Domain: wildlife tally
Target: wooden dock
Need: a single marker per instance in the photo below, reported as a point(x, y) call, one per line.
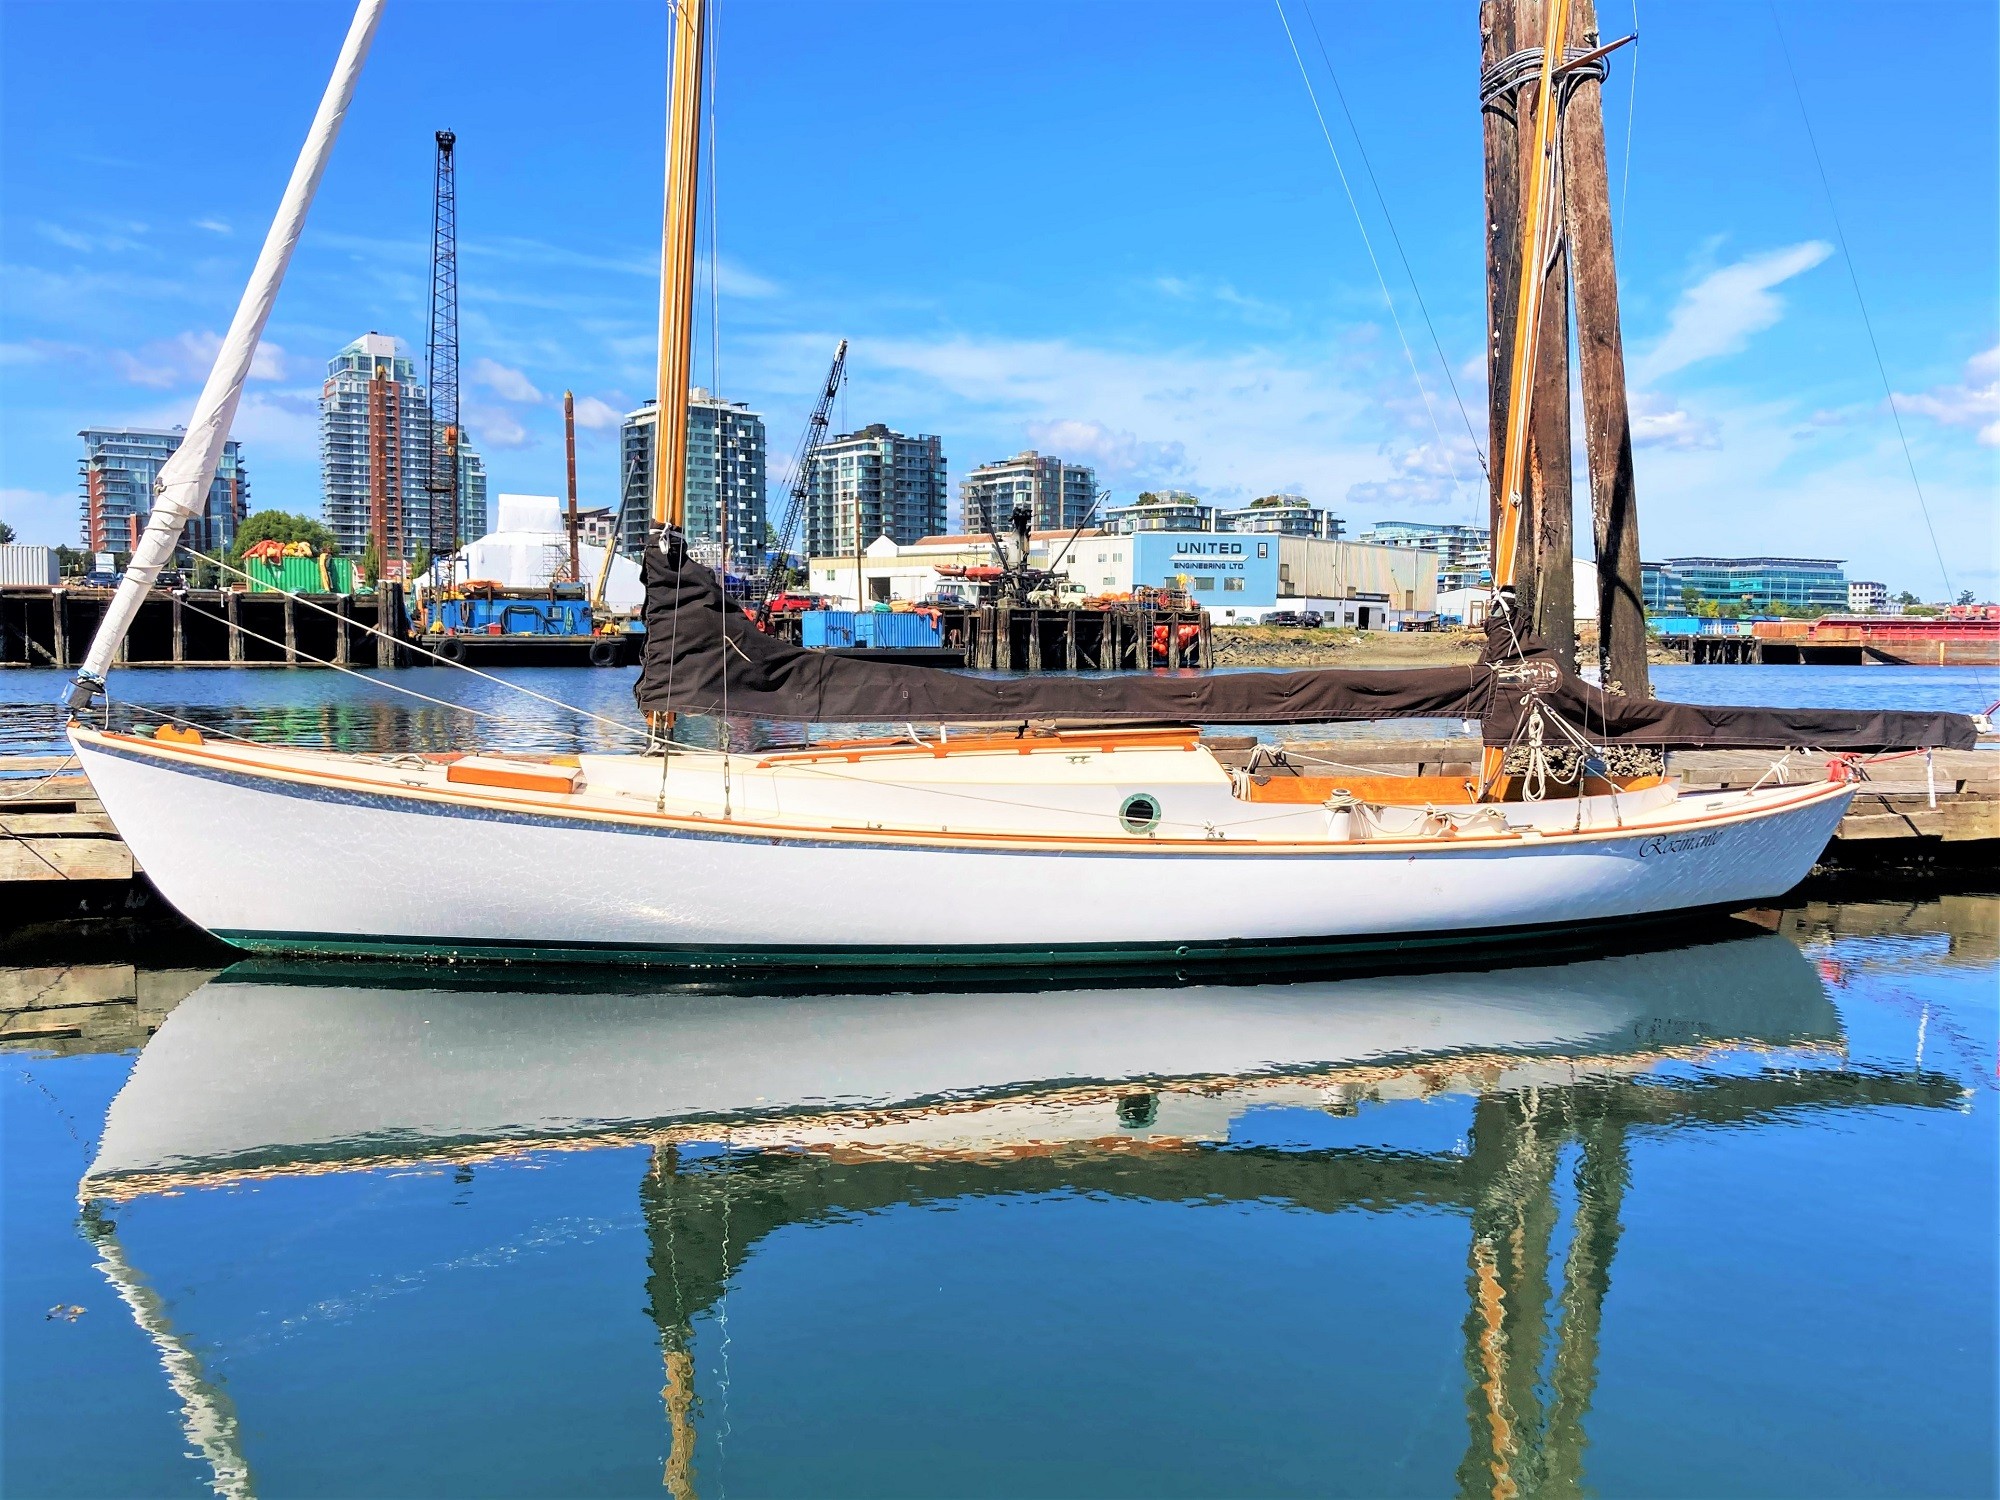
point(52, 627)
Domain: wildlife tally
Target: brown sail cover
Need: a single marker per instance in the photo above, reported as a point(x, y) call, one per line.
point(703, 657)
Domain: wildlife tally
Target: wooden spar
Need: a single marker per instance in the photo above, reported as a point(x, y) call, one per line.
point(1546, 583)
point(1600, 347)
point(569, 450)
point(1536, 238)
point(1498, 40)
point(677, 266)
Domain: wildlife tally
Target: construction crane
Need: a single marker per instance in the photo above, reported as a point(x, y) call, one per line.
point(802, 461)
point(442, 361)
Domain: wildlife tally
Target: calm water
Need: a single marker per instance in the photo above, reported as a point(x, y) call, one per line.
point(350, 713)
point(1714, 1220)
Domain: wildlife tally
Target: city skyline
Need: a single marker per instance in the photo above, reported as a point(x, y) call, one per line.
point(1234, 345)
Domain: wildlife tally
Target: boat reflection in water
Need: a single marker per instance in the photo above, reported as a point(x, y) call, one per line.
point(827, 1107)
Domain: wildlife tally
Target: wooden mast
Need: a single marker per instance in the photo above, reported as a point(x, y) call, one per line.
point(1600, 347)
point(1537, 236)
point(677, 266)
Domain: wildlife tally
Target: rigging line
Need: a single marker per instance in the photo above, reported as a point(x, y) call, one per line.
point(1444, 363)
point(1369, 245)
point(1854, 279)
point(480, 713)
point(1631, 108)
point(715, 374)
point(441, 661)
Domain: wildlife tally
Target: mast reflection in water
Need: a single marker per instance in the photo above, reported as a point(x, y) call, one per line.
point(977, 1242)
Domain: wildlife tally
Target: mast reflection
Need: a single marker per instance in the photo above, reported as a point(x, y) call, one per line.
point(831, 1106)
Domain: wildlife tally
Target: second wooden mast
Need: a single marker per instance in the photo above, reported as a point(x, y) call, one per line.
point(1548, 221)
point(689, 23)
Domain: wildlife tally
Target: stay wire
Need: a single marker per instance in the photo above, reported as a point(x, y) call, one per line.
point(1368, 244)
point(381, 634)
point(1631, 109)
point(1390, 219)
point(1861, 302)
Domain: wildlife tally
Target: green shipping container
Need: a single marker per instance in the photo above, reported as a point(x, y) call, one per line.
point(301, 575)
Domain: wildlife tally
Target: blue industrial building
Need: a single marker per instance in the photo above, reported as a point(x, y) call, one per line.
point(1218, 570)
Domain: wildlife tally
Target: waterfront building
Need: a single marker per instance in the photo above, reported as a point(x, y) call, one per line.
point(1057, 495)
point(1465, 553)
point(874, 483)
point(1238, 578)
point(1162, 510)
point(726, 462)
point(375, 446)
point(117, 473)
point(1865, 598)
point(1748, 584)
point(1284, 515)
point(598, 525)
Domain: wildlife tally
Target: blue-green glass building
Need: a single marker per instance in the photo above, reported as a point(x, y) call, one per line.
point(1748, 583)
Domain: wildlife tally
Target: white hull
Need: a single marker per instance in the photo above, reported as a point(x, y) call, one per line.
point(299, 852)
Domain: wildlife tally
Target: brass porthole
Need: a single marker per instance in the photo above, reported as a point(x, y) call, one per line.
point(1139, 813)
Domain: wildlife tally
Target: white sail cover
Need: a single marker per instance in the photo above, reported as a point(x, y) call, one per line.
point(184, 480)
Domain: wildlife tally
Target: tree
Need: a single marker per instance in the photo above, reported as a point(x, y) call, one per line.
point(280, 526)
point(7, 535)
point(1964, 597)
point(1907, 598)
point(1691, 600)
point(72, 562)
point(421, 564)
point(371, 563)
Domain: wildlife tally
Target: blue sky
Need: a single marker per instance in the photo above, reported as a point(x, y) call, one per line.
point(1109, 230)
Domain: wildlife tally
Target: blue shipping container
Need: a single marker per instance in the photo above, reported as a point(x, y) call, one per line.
point(878, 629)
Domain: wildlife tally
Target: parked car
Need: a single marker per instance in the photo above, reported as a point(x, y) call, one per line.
point(170, 578)
point(792, 603)
point(1284, 617)
point(97, 580)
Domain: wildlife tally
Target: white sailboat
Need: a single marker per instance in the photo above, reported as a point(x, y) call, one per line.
point(1085, 844)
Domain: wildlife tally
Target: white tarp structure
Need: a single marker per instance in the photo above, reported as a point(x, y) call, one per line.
point(531, 546)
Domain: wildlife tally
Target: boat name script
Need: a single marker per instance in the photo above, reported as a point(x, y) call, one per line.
point(1683, 843)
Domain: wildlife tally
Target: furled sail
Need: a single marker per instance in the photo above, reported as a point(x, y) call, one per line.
point(705, 657)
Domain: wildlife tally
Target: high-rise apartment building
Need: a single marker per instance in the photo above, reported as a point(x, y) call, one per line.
point(375, 457)
point(1285, 515)
point(874, 483)
point(1058, 495)
point(375, 450)
point(118, 469)
point(725, 476)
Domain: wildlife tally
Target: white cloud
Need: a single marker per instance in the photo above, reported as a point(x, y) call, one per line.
point(1718, 314)
point(213, 226)
point(1249, 421)
point(281, 424)
point(1117, 456)
point(186, 358)
point(1658, 422)
point(506, 383)
point(1973, 402)
point(494, 427)
point(596, 416)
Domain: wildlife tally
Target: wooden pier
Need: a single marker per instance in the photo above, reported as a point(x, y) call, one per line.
point(52, 627)
point(1004, 638)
